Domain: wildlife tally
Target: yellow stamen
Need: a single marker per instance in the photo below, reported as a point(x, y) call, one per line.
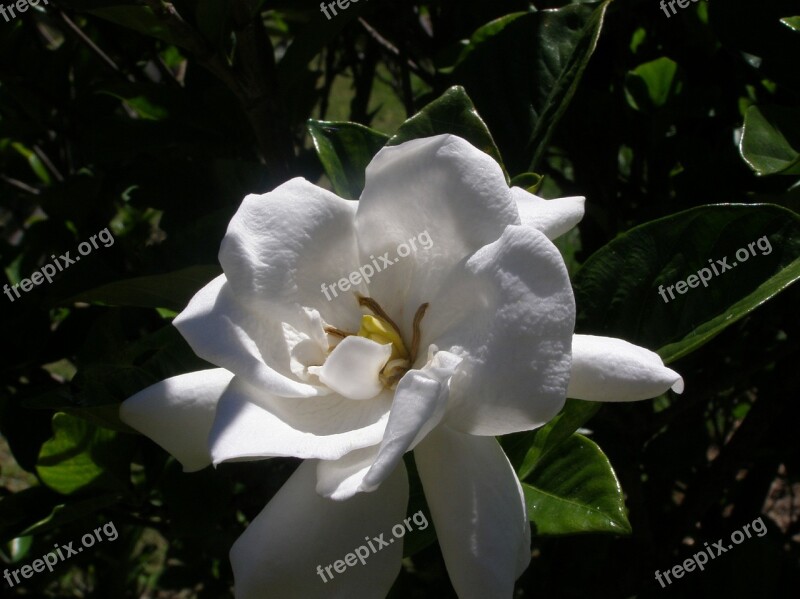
point(380, 331)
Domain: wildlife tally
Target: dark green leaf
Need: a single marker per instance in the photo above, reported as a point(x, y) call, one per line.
point(575, 414)
point(653, 84)
point(771, 140)
point(617, 289)
point(453, 112)
point(530, 182)
point(792, 22)
point(522, 99)
point(575, 490)
point(345, 150)
point(81, 455)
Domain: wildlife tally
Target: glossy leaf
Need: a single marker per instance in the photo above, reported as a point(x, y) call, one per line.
point(81, 455)
point(551, 436)
point(653, 84)
point(792, 22)
point(345, 150)
point(453, 112)
point(523, 99)
point(574, 490)
point(617, 288)
point(530, 182)
point(771, 140)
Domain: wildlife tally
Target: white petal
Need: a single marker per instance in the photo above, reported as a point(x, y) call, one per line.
point(252, 423)
point(177, 413)
point(444, 194)
point(353, 367)
point(478, 509)
point(298, 531)
point(241, 338)
point(610, 369)
point(551, 217)
point(282, 246)
point(418, 406)
point(511, 314)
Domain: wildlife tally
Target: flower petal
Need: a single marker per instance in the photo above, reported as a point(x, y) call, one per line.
point(282, 246)
point(610, 369)
point(510, 312)
point(418, 406)
point(245, 340)
point(177, 413)
point(300, 534)
point(442, 186)
point(551, 217)
point(252, 423)
point(478, 509)
point(353, 367)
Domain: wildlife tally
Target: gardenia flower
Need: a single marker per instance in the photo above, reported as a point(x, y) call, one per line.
point(438, 353)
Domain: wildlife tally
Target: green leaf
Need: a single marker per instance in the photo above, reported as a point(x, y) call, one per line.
point(33, 160)
point(345, 150)
point(18, 549)
point(81, 455)
point(792, 22)
point(771, 140)
point(551, 436)
point(530, 182)
point(575, 490)
point(617, 288)
point(653, 84)
point(171, 290)
point(453, 112)
point(522, 72)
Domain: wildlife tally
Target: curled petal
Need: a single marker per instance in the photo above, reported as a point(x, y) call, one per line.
point(418, 406)
point(610, 369)
point(353, 367)
point(419, 403)
point(177, 413)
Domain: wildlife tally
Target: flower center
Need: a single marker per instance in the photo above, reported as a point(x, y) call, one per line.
point(379, 327)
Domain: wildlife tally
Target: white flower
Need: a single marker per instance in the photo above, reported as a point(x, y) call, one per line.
point(449, 347)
